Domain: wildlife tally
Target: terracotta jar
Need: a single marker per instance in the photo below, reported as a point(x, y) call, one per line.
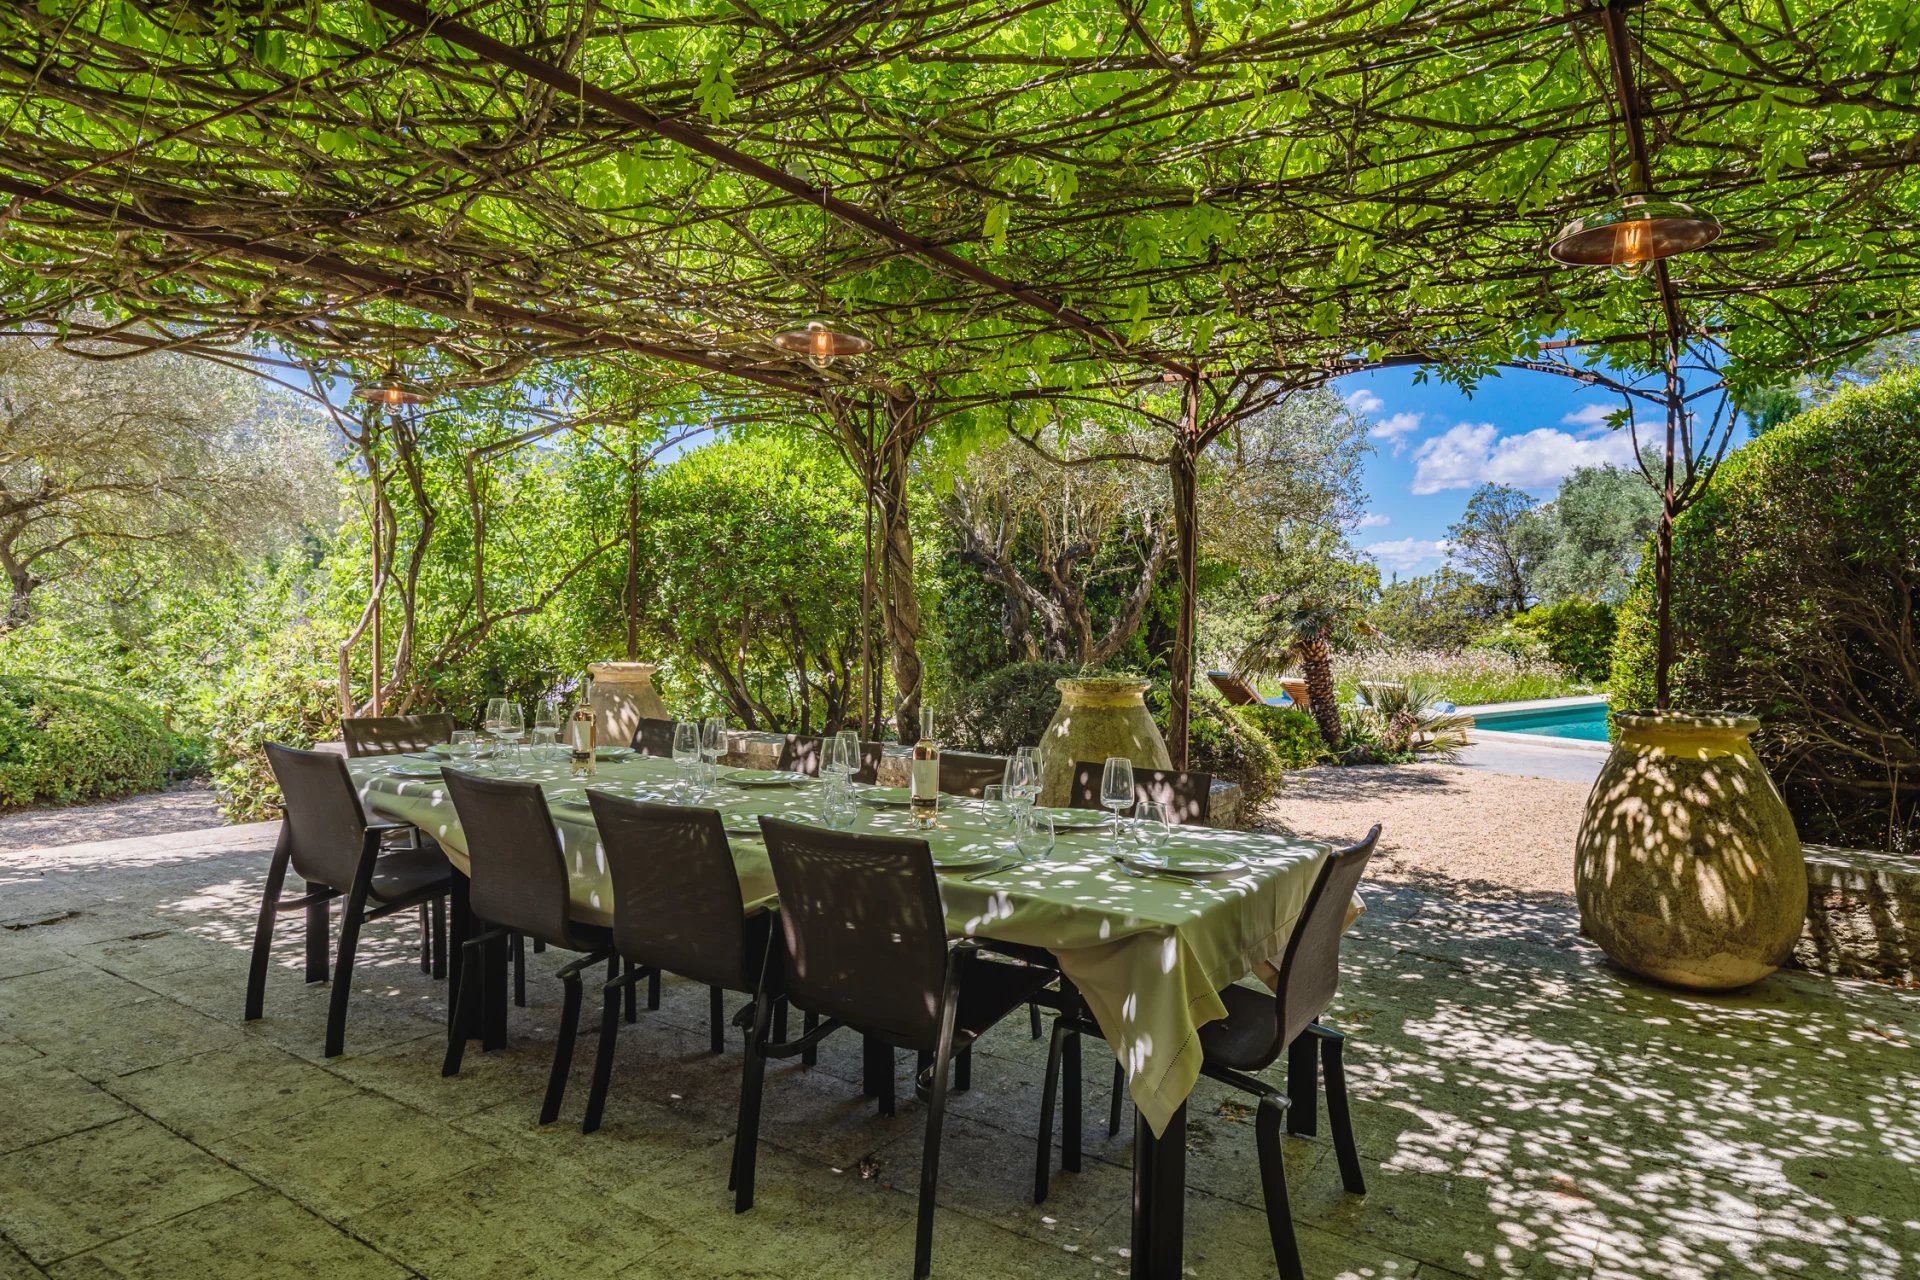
point(1098, 717)
point(623, 694)
point(1688, 868)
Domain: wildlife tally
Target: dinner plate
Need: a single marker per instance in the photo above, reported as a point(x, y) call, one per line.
point(1184, 862)
point(444, 752)
point(887, 797)
point(1077, 819)
point(961, 857)
point(763, 778)
point(415, 771)
point(613, 753)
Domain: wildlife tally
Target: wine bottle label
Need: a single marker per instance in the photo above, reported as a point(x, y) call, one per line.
point(926, 777)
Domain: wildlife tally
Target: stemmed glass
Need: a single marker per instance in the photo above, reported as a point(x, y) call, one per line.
point(1116, 790)
point(1022, 778)
point(513, 725)
point(496, 708)
point(686, 751)
point(546, 724)
point(835, 765)
point(713, 743)
point(848, 744)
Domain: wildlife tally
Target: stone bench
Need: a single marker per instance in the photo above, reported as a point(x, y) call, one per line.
point(762, 751)
point(1863, 915)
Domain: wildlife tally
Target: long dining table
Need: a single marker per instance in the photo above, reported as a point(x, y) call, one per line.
point(1149, 953)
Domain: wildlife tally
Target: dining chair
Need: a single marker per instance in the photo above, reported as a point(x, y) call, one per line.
point(518, 875)
point(802, 755)
point(676, 909)
point(964, 773)
point(1261, 1024)
point(1187, 795)
point(654, 737)
point(391, 735)
point(866, 948)
point(328, 841)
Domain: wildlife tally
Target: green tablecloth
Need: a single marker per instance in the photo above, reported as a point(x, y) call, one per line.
point(1149, 955)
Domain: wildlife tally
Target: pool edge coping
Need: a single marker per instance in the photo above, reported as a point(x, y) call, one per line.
point(1494, 737)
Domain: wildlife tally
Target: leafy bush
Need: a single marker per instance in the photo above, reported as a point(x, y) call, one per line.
point(1577, 634)
point(1470, 676)
point(284, 691)
point(1005, 709)
point(1292, 733)
point(62, 742)
point(1223, 742)
point(1793, 587)
point(1442, 610)
point(1398, 723)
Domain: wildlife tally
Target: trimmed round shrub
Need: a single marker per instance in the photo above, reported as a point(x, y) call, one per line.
point(1793, 600)
point(1291, 731)
point(1005, 709)
point(62, 742)
point(1223, 742)
point(1577, 634)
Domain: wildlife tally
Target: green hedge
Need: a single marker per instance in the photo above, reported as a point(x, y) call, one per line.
point(62, 742)
point(1222, 741)
point(1292, 732)
point(1577, 634)
point(1005, 709)
point(1795, 579)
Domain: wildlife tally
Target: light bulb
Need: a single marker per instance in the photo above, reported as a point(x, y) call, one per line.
point(1636, 242)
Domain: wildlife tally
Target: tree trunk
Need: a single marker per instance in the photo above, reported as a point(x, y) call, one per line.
point(900, 605)
point(1186, 558)
point(21, 583)
point(1316, 661)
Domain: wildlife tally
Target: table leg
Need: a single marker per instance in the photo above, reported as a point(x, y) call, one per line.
point(1159, 1198)
point(319, 931)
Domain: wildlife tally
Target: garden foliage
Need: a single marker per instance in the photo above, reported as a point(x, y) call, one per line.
point(1794, 587)
point(62, 742)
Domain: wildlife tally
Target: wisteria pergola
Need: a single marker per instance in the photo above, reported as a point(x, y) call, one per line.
point(1017, 201)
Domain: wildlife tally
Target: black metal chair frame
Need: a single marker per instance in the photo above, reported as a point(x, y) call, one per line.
point(317, 902)
point(945, 1059)
point(1295, 1107)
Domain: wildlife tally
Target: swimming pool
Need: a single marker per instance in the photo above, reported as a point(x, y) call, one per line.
point(1586, 721)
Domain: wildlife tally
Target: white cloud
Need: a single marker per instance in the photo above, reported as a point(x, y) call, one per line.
point(1405, 555)
point(1398, 425)
point(1364, 401)
point(1474, 453)
point(1371, 521)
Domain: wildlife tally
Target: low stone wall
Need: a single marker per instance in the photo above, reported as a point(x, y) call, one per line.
point(1863, 915)
point(762, 751)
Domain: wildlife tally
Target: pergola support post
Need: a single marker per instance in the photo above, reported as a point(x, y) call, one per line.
point(1184, 467)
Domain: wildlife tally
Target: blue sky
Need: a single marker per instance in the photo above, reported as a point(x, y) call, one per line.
point(1434, 444)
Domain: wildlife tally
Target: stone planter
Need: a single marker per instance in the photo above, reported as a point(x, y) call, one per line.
point(1097, 718)
point(623, 695)
point(1687, 867)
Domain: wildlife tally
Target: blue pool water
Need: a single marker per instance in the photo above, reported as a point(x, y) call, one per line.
point(1583, 720)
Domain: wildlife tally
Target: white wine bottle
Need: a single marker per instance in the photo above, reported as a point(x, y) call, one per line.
point(583, 738)
point(926, 773)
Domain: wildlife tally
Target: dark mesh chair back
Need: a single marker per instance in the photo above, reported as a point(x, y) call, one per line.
point(514, 860)
point(866, 937)
point(390, 735)
point(676, 895)
point(802, 755)
point(654, 737)
point(1310, 969)
point(962, 773)
point(325, 823)
point(1187, 795)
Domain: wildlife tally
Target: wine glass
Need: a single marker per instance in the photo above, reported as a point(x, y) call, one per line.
point(513, 725)
point(1153, 825)
point(686, 750)
point(496, 707)
point(849, 743)
point(463, 743)
point(999, 813)
point(1021, 781)
point(713, 743)
point(835, 766)
point(546, 724)
point(1116, 789)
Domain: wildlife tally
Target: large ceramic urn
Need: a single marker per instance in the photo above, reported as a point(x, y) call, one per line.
point(623, 695)
point(1687, 867)
point(1098, 717)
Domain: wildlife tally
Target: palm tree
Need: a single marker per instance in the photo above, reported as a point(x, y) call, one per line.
point(1306, 627)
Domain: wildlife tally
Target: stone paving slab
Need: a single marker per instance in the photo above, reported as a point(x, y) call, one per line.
point(1522, 1110)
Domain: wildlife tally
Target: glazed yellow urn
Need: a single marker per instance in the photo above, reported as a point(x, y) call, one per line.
point(1688, 868)
point(1098, 717)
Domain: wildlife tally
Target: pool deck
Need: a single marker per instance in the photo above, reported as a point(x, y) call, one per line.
point(1534, 755)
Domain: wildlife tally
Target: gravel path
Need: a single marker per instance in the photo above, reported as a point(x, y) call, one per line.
point(185, 806)
point(1447, 827)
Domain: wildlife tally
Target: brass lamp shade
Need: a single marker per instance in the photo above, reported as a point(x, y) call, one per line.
point(821, 343)
point(392, 392)
point(1641, 229)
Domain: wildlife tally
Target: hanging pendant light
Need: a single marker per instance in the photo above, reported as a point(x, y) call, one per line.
point(1639, 231)
point(392, 392)
point(821, 344)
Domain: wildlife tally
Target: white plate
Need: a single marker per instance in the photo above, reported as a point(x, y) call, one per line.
point(415, 771)
point(762, 778)
point(968, 855)
point(886, 797)
point(1183, 862)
